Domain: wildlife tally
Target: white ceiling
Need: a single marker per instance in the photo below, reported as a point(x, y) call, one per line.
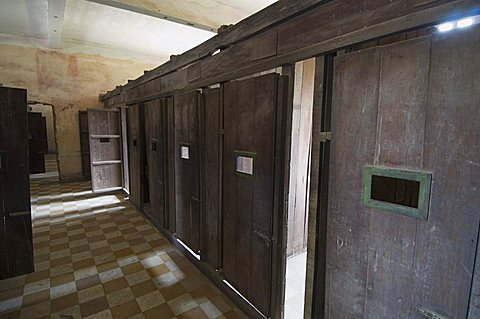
point(107, 30)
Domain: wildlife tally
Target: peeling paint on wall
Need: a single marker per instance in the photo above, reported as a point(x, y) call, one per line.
point(70, 82)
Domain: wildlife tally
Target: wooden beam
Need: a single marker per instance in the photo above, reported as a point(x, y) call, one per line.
point(272, 15)
point(56, 11)
point(155, 14)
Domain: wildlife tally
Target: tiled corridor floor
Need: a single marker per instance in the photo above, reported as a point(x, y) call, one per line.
point(97, 257)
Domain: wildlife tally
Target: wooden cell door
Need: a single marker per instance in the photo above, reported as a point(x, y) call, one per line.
point(252, 195)
point(16, 248)
point(412, 106)
point(37, 142)
point(155, 139)
point(187, 169)
point(84, 143)
point(135, 143)
point(105, 149)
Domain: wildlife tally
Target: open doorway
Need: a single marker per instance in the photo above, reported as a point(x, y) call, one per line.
point(299, 186)
point(43, 153)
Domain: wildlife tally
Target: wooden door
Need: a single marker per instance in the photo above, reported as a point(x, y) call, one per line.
point(251, 192)
point(105, 149)
point(135, 155)
point(187, 169)
point(155, 138)
point(412, 105)
point(84, 143)
point(16, 248)
point(37, 142)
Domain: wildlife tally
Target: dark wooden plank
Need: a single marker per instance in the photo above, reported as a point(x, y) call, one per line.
point(212, 169)
point(16, 252)
point(84, 143)
point(155, 148)
point(134, 147)
point(187, 170)
point(171, 156)
point(446, 244)
point(313, 195)
point(347, 252)
point(229, 209)
point(124, 145)
point(403, 82)
point(264, 123)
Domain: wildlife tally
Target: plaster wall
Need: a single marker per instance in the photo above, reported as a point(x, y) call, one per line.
point(70, 82)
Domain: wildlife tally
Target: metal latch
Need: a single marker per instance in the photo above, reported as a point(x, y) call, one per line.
point(325, 136)
point(431, 314)
point(16, 214)
point(263, 237)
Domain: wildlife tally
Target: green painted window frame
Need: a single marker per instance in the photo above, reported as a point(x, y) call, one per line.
point(424, 178)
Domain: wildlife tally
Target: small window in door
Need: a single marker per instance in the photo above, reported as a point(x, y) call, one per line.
point(185, 152)
point(400, 191)
point(244, 163)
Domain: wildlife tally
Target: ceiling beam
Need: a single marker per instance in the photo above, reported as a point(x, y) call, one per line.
point(56, 12)
point(155, 14)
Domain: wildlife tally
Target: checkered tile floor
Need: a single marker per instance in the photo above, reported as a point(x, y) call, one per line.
point(97, 257)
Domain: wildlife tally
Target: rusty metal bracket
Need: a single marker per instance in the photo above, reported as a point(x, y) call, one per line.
point(325, 136)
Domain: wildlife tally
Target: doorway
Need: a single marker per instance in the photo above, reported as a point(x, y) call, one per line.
point(42, 142)
point(299, 186)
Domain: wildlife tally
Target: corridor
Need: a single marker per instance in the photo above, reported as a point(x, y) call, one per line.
point(97, 257)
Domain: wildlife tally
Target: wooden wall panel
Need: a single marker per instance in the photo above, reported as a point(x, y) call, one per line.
point(446, 244)
point(416, 111)
point(171, 156)
point(212, 176)
point(187, 170)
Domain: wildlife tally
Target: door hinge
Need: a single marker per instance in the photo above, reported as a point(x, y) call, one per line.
point(325, 136)
point(430, 314)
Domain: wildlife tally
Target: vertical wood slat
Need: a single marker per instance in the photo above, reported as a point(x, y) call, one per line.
point(346, 253)
point(212, 159)
point(187, 171)
point(314, 186)
point(171, 223)
point(300, 157)
point(135, 156)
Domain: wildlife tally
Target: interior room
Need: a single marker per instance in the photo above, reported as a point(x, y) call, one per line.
point(240, 159)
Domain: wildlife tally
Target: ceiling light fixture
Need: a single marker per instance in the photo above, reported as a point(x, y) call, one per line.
point(444, 27)
point(464, 23)
point(458, 24)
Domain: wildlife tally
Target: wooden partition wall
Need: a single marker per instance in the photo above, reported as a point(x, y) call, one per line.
point(408, 106)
